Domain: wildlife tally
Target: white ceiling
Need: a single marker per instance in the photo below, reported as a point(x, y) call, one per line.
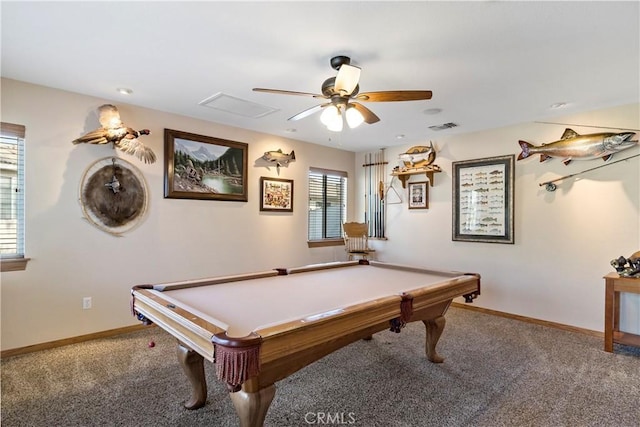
point(488, 63)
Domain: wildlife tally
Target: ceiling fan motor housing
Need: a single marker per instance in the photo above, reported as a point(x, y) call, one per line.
point(337, 61)
point(329, 88)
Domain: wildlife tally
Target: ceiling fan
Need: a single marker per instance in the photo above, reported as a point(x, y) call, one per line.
point(342, 91)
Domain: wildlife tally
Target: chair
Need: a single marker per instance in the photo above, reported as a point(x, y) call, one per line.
point(356, 240)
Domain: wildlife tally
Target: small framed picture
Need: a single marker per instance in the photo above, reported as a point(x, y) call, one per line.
point(419, 195)
point(276, 194)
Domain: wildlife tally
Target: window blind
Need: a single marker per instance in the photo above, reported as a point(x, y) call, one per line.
point(11, 190)
point(327, 203)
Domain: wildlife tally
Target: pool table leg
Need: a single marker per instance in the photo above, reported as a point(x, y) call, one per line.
point(193, 366)
point(252, 407)
point(434, 330)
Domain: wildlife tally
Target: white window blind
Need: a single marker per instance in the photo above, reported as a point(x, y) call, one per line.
point(11, 190)
point(327, 203)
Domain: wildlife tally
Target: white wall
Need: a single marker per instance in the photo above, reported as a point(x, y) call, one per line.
point(179, 239)
point(564, 240)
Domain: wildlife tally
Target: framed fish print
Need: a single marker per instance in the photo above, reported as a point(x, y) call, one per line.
point(483, 200)
point(276, 194)
point(204, 167)
point(418, 195)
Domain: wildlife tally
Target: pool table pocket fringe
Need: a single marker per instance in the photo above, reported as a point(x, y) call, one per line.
point(236, 364)
point(406, 311)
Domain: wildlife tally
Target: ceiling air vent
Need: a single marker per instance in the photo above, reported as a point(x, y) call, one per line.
point(443, 126)
point(241, 107)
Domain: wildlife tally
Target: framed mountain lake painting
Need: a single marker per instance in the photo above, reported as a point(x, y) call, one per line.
point(204, 167)
point(483, 200)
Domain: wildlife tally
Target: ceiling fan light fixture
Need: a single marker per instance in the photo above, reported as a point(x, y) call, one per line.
point(332, 118)
point(354, 117)
point(329, 115)
point(347, 79)
point(336, 125)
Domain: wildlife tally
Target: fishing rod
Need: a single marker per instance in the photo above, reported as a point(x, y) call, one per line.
point(587, 126)
point(550, 186)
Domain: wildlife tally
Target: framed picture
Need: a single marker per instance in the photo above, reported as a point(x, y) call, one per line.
point(418, 195)
point(276, 194)
point(483, 200)
point(204, 167)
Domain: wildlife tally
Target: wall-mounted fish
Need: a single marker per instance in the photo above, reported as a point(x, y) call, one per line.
point(279, 158)
point(573, 146)
point(418, 156)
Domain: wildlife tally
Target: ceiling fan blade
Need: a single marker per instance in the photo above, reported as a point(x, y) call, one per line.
point(394, 95)
point(309, 111)
point(288, 92)
point(347, 79)
point(369, 116)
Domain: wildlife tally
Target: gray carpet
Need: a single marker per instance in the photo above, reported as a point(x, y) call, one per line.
point(497, 372)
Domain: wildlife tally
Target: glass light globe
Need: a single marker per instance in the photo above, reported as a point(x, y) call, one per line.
point(354, 117)
point(329, 114)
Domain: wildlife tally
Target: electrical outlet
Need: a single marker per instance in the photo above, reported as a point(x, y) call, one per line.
point(86, 303)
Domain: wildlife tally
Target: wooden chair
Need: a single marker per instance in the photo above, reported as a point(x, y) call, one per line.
point(356, 240)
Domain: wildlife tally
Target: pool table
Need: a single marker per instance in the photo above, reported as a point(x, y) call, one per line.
point(261, 327)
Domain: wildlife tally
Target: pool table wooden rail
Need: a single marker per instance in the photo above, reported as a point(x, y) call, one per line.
point(289, 341)
point(188, 328)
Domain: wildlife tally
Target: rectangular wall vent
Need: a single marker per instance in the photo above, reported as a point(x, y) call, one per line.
point(233, 105)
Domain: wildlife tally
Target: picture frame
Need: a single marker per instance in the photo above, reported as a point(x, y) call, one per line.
point(276, 194)
point(204, 167)
point(418, 197)
point(483, 200)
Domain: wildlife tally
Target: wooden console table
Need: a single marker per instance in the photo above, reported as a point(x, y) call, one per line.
point(614, 285)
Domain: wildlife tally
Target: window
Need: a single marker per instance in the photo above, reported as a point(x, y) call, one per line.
point(12, 197)
point(327, 205)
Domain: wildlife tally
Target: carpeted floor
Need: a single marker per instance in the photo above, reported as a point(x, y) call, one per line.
point(497, 372)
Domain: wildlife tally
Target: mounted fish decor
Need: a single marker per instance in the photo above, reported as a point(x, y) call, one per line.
point(115, 132)
point(418, 157)
point(279, 158)
point(573, 146)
